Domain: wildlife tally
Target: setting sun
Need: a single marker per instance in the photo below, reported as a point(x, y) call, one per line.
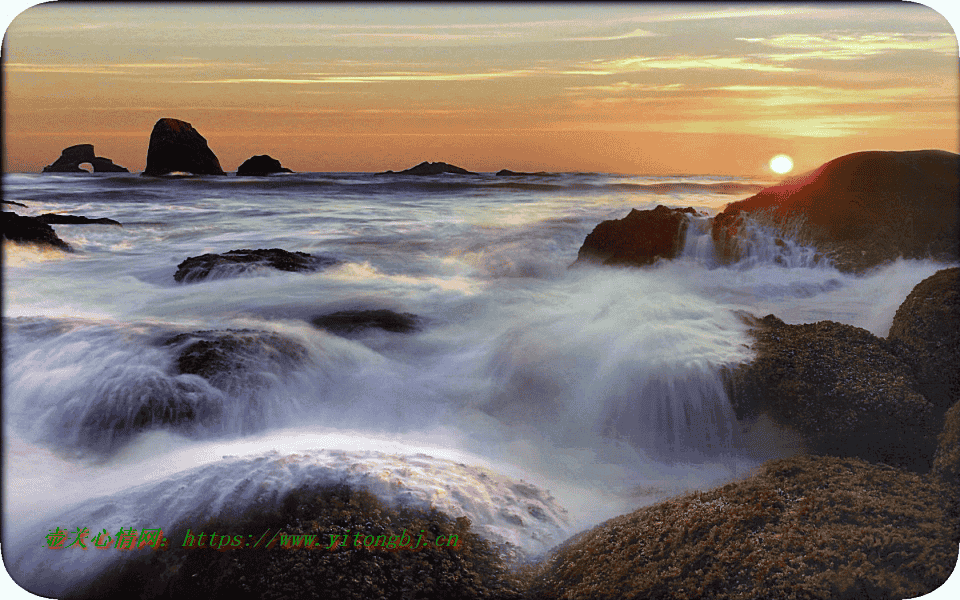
point(781, 164)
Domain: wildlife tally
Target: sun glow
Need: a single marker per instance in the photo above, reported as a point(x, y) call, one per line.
point(781, 163)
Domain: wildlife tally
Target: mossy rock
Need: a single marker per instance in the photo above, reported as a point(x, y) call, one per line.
point(807, 527)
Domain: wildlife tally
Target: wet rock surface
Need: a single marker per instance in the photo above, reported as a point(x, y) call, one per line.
point(804, 527)
point(840, 388)
point(175, 146)
point(926, 335)
point(238, 262)
point(348, 322)
point(863, 209)
point(638, 239)
point(223, 356)
point(474, 569)
point(58, 219)
point(30, 230)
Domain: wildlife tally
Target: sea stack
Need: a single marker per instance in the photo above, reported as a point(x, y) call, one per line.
point(261, 164)
point(176, 146)
point(71, 158)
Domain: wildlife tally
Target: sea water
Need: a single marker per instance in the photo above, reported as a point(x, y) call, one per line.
point(534, 398)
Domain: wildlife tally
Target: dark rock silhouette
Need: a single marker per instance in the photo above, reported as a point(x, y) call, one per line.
point(840, 388)
point(71, 158)
point(863, 209)
point(30, 230)
point(55, 219)
point(346, 322)
point(175, 146)
point(802, 527)
point(638, 239)
point(925, 333)
point(237, 262)
point(509, 173)
point(261, 164)
point(429, 168)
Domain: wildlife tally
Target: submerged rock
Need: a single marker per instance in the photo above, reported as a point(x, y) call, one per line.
point(127, 404)
point(175, 146)
point(862, 209)
point(30, 230)
point(57, 219)
point(926, 334)
point(840, 388)
point(222, 357)
point(638, 239)
point(346, 322)
point(261, 165)
point(71, 158)
point(429, 168)
point(803, 527)
point(237, 262)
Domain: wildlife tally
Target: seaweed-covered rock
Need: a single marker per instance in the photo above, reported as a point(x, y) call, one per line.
point(804, 527)
point(30, 230)
point(638, 239)
point(926, 334)
point(58, 219)
point(239, 262)
point(429, 168)
point(840, 389)
point(863, 209)
point(346, 322)
point(71, 158)
point(261, 164)
point(946, 462)
point(465, 566)
point(175, 146)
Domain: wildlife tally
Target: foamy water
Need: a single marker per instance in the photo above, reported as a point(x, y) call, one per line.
point(535, 399)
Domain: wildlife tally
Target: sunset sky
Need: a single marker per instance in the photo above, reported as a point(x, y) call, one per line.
point(621, 88)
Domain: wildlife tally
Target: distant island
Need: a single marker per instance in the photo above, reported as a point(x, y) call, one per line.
point(429, 168)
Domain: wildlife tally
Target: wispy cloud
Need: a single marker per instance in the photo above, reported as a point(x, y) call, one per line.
point(626, 87)
point(847, 46)
point(375, 78)
point(636, 64)
point(636, 33)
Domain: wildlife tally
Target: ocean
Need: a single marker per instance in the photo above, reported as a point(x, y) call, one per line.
point(534, 398)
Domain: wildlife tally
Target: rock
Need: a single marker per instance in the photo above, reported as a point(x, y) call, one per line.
point(222, 356)
point(803, 527)
point(125, 406)
point(862, 209)
point(429, 168)
point(509, 173)
point(30, 230)
point(638, 239)
point(175, 146)
point(261, 165)
point(56, 219)
point(71, 158)
point(473, 569)
point(946, 462)
point(238, 262)
point(926, 335)
point(346, 322)
point(840, 388)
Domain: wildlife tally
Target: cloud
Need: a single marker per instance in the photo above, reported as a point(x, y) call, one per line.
point(846, 46)
point(636, 33)
point(631, 65)
point(376, 78)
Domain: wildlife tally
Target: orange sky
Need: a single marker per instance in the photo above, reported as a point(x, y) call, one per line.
point(645, 88)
